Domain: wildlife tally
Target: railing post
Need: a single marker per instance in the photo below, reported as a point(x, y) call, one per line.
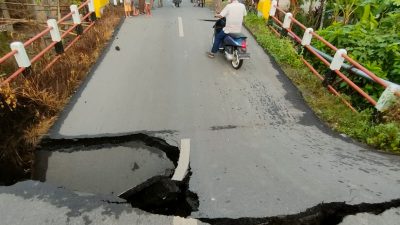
point(338, 59)
point(91, 10)
point(55, 35)
point(21, 57)
point(307, 37)
point(77, 19)
point(272, 11)
point(286, 24)
point(336, 64)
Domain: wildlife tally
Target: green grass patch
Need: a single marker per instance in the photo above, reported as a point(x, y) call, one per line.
point(361, 126)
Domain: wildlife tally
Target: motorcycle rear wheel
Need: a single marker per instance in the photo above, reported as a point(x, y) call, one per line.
point(236, 62)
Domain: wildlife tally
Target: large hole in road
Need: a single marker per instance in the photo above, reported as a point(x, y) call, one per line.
point(136, 167)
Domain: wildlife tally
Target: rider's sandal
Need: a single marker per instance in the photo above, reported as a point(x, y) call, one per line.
point(211, 55)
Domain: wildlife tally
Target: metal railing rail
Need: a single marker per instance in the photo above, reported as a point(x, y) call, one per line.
point(18, 50)
point(335, 63)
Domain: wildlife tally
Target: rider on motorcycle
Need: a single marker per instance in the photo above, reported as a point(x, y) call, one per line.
point(234, 13)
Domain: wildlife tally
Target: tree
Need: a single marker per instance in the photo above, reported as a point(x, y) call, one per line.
point(6, 15)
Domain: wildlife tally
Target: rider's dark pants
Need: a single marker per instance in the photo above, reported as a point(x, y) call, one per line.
point(217, 41)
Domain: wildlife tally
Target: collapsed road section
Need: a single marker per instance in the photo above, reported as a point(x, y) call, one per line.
point(136, 167)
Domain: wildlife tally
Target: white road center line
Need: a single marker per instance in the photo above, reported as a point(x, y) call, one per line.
point(183, 221)
point(180, 27)
point(183, 162)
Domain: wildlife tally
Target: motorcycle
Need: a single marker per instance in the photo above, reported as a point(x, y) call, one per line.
point(177, 2)
point(234, 45)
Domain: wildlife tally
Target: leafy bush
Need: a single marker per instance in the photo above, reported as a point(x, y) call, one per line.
point(378, 49)
point(385, 136)
point(360, 126)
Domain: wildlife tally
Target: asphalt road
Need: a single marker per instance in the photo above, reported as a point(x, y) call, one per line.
point(256, 148)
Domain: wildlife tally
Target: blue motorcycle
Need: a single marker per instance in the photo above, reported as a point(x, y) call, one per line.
point(234, 45)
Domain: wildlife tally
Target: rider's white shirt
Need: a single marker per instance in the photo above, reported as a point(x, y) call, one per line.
point(234, 13)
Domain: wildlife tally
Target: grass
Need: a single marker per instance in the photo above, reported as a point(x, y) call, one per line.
point(382, 132)
point(30, 105)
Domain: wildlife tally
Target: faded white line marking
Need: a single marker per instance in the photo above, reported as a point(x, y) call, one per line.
point(183, 221)
point(180, 26)
point(183, 162)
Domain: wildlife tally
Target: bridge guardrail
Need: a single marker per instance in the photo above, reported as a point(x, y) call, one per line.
point(337, 61)
point(18, 48)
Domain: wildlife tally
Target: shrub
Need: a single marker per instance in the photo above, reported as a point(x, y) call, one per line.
point(361, 126)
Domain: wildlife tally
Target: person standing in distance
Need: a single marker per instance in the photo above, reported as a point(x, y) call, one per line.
point(234, 13)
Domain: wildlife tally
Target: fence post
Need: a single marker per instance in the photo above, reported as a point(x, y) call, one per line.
point(21, 57)
point(307, 37)
point(336, 64)
point(55, 35)
point(272, 11)
point(91, 10)
point(286, 24)
point(77, 19)
point(338, 59)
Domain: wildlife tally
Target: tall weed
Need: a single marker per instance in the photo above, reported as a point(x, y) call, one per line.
point(30, 105)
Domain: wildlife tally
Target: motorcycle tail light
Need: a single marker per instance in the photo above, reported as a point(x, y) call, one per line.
point(244, 44)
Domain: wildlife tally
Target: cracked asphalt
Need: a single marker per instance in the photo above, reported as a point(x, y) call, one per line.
point(257, 150)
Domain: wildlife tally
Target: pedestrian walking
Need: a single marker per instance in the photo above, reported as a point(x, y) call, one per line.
point(127, 8)
point(135, 11)
point(147, 7)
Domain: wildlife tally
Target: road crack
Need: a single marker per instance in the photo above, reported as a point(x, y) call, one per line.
point(322, 214)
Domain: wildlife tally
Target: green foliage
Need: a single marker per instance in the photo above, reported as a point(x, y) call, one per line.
point(4, 43)
point(360, 125)
point(373, 41)
point(378, 49)
point(6, 67)
point(385, 136)
point(281, 49)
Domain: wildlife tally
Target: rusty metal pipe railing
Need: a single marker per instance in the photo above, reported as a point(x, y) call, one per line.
point(38, 56)
point(41, 34)
point(298, 23)
point(7, 56)
point(47, 48)
point(67, 47)
point(324, 41)
point(330, 88)
point(287, 24)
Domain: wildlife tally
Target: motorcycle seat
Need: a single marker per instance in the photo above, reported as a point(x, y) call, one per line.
point(237, 35)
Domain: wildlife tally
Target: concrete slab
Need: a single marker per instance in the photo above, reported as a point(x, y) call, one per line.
point(389, 217)
point(35, 203)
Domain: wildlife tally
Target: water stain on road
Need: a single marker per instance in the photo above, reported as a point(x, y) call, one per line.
point(101, 169)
